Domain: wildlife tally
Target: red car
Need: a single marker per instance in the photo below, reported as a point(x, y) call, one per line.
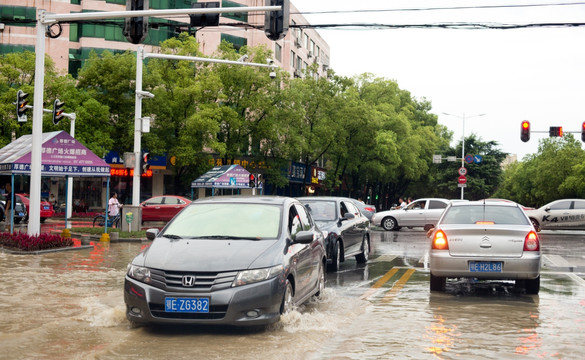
point(46, 207)
point(163, 208)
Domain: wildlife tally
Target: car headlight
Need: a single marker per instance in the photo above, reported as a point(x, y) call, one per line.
point(139, 273)
point(252, 276)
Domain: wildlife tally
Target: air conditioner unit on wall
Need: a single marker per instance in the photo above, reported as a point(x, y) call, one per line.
point(297, 43)
point(298, 73)
point(316, 60)
point(310, 54)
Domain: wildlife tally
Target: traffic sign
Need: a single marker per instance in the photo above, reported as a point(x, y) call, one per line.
point(469, 159)
point(462, 171)
point(477, 159)
point(462, 179)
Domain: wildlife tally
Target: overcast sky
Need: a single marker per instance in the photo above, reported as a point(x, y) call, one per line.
point(533, 74)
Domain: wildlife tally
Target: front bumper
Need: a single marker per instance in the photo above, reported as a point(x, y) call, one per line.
point(254, 304)
point(525, 267)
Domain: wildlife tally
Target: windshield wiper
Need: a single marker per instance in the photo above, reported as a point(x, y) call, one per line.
point(172, 236)
point(225, 237)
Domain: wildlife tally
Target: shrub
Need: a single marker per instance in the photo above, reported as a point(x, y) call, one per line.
point(25, 242)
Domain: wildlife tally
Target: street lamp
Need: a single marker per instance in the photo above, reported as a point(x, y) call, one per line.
point(463, 140)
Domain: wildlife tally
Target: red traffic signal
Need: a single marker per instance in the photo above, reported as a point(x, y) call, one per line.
point(525, 131)
point(252, 181)
point(583, 131)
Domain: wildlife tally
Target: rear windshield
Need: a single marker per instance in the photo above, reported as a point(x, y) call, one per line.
point(488, 214)
point(239, 220)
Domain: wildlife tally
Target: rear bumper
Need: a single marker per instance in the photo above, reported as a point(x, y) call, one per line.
point(525, 267)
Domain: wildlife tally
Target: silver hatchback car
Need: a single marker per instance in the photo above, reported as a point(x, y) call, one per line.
point(487, 241)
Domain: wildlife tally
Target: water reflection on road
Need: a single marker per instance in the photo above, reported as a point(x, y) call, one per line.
point(70, 305)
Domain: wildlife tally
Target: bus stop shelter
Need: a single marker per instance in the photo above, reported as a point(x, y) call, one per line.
point(62, 155)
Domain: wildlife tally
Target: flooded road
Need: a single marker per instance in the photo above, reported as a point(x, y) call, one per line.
point(70, 305)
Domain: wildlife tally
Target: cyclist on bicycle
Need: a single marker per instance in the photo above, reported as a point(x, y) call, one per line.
point(113, 207)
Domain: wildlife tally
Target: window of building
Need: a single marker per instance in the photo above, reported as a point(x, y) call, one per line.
point(306, 41)
point(278, 52)
point(243, 17)
point(317, 50)
point(312, 47)
point(292, 59)
point(299, 63)
point(237, 41)
point(18, 13)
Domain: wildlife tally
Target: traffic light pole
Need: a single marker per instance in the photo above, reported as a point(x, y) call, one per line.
point(44, 19)
point(140, 94)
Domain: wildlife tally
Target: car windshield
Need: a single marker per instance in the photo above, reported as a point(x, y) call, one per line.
point(321, 210)
point(485, 214)
point(227, 220)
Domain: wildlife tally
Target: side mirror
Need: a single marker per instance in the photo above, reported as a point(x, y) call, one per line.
point(348, 216)
point(151, 234)
point(303, 237)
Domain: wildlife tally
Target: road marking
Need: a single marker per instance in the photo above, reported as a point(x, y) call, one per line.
point(398, 285)
point(559, 261)
point(379, 283)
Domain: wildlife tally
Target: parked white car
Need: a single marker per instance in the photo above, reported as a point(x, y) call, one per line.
point(417, 214)
point(566, 214)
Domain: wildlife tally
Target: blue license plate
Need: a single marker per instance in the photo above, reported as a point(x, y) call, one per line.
point(485, 266)
point(46, 207)
point(20, 214)
point(187, 305)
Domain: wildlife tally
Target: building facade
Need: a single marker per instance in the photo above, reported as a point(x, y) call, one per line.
point(71, 43)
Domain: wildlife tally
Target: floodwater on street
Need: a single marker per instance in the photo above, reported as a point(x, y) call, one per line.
point(70, 305)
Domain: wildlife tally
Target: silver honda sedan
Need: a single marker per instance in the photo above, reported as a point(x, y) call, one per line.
point(487, 241)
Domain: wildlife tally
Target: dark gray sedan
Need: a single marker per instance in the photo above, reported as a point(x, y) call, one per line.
point(347, 229)
point(227, 260)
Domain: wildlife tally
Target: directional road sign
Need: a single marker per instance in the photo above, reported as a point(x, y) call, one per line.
point(477, 159)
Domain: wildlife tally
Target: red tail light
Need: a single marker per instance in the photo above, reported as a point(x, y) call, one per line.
point(440, 241)
point(370, 209)
point(531, 242)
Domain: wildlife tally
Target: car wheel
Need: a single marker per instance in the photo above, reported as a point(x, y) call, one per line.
point(389, 223)
point(287, 299)
point(335, 257)
point(365, 254)
point(321, 285)
point(43, 220)
point(532, 286)
point(17, 220)
point(438, 283)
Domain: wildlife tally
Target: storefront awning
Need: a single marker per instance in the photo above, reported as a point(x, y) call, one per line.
point(225, 177)
point(61, 155)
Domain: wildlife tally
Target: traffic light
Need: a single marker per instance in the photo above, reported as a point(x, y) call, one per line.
point(145, 164)
point(555, 131)
point(276, 22)
point(57, 111)
point(21, 103)
point(136, 28)
point(205, 19)
point(252, 182)
point(525, 131)
point(583, 131)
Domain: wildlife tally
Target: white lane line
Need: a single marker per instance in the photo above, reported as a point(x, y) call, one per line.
point(559, 261)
